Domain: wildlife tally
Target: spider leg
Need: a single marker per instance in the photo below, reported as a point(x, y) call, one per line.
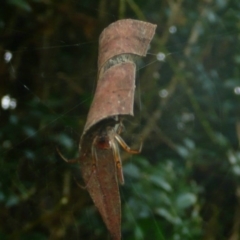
point(117, 159)
point(119, 127)
point(125, 146)
point(75, 160)
point(118, 162)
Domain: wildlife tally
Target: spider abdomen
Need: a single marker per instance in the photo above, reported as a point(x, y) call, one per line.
point(103, 142)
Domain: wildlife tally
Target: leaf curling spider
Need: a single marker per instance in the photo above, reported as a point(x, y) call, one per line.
point(108, 138)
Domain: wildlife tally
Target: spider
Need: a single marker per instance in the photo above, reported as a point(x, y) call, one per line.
point(109, 138)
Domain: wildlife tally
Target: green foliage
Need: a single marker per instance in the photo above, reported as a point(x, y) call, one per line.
point(22, 4)
point(159, 204)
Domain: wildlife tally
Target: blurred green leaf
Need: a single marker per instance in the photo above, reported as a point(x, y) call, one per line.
point(21, 4)
point(186, 200)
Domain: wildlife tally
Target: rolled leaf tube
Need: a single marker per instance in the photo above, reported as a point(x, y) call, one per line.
point(119, 46)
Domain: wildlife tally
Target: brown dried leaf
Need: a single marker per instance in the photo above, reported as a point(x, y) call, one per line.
point(120, 42)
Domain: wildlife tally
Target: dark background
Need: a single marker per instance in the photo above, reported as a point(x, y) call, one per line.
point(185, 184)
